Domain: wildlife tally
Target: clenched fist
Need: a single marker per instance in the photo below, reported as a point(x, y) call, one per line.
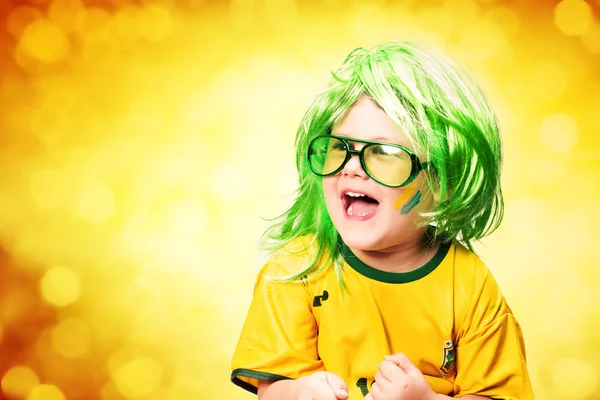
point(321, 386)
point(399, 379)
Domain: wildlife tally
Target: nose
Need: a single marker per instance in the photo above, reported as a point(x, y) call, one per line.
point(353, 168)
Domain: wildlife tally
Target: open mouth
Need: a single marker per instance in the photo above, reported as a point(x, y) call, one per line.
point(359, 205)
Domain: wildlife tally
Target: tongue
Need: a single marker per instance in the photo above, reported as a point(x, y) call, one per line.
point(360, 208)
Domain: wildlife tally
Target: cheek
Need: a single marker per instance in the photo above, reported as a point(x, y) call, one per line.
point(329, 190)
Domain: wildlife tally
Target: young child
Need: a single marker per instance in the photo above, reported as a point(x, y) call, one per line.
point(374, 291)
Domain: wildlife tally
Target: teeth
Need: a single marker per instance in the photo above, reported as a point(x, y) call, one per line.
point(353, 194)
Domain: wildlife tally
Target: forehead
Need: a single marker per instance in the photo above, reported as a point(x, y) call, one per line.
point(367, 121)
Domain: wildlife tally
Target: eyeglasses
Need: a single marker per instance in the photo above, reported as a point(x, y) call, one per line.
point(389, 164)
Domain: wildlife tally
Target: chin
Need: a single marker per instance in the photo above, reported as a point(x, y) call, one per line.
point(360, 240)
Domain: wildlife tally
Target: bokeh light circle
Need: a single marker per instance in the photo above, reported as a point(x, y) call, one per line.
point(129, 24)
point(46, 392)
point(67, 14)
point(95, 22)
point(160, 22)
point(45, 41)
point(71, 338)
point(508, 20)
point(18, 381)
point(60, 286)
point(138, 378)
point(573, 17)
point(559, 132)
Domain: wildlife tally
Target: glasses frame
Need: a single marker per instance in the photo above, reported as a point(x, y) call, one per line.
point(416, 165)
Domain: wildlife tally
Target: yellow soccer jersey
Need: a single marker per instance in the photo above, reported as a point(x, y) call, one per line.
point(447, 316)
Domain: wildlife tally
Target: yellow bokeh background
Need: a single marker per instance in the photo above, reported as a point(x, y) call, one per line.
point(141, 143)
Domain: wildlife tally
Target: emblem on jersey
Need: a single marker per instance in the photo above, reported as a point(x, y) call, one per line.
point(449, 358)
point(317, 301)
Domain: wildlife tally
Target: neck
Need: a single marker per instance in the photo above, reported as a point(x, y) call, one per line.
point(405, 257)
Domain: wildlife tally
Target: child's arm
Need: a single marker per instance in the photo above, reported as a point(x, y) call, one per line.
point(400, 379)
point(490, 350)
point(320, 385)
point(285, 389)
point(279, 337)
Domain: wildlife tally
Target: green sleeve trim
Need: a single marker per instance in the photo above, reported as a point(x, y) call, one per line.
point(248, 373)
point(395, 277)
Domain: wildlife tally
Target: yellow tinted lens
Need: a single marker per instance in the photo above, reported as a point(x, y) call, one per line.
point(336, 154)
point(326, 155)
point(388, 164)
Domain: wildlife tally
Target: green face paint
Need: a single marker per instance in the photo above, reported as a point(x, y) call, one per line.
point(412, 203)
point(405, 196)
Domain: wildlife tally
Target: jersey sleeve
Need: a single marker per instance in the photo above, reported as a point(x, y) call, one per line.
point(279, 337)
point(490, 352)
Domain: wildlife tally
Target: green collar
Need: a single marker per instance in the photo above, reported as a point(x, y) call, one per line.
point(394, 277)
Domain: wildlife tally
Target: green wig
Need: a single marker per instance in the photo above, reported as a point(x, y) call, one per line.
point(446, 117)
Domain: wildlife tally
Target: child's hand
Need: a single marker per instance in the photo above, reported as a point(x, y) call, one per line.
point(322, 386)
point(399, 379)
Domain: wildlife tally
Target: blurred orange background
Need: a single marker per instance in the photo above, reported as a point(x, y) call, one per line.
point(142, 141)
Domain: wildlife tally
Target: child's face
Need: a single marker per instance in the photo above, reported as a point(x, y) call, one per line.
point(388, 219)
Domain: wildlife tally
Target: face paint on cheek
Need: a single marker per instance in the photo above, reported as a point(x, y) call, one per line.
point(405, 196)
point(412, 203)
